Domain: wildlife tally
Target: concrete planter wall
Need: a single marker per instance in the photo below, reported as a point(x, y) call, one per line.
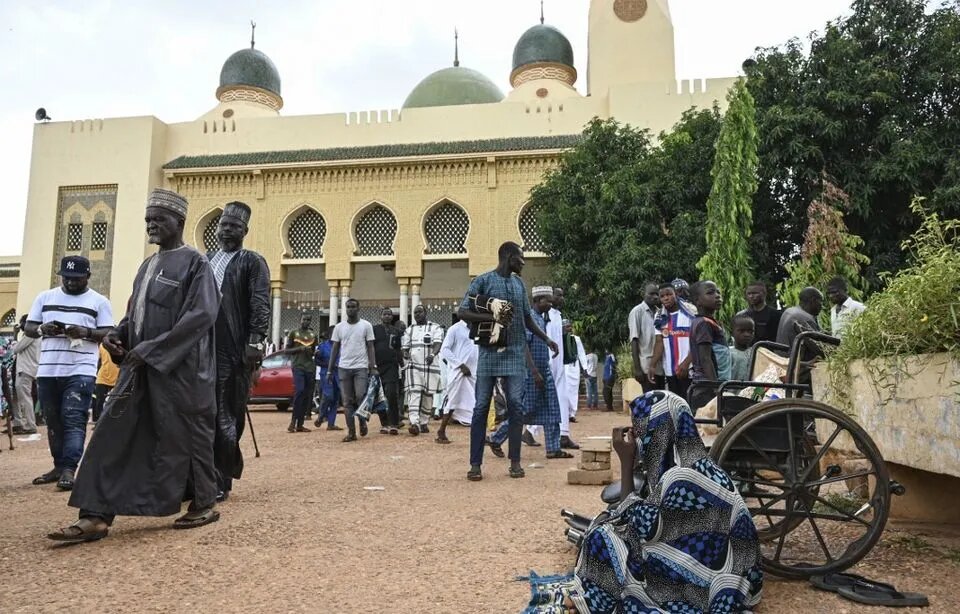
point(910, 407)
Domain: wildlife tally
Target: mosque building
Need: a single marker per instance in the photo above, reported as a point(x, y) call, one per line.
point(393, 207)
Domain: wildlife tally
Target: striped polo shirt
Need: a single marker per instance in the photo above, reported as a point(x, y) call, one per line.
point(61, 356)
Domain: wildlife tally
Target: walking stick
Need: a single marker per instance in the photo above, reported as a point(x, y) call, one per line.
point(253, 435)
point(9, 428)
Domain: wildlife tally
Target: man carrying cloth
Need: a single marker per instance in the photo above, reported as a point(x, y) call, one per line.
point(154, 442)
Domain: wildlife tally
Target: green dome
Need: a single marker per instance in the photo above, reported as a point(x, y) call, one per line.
point(542, 43)
point(453, 86)
point(250, 67)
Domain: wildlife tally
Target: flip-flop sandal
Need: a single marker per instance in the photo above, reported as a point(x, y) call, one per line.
point(443, 440)
point(76, 534)
point(559, 454)
point(47, 478)
point(878, 593)
point(517, 472)
point(835, 581)
point(496, 448)
point(190, 521)
point(474, 475)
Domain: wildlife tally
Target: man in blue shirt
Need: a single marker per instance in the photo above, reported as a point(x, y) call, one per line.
point(508, 363)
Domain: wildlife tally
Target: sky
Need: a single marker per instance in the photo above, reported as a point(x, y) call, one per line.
point(112, 58)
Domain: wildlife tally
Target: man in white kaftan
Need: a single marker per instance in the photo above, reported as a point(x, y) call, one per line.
point(460, 355)
point(421, 344)
point(572, 373)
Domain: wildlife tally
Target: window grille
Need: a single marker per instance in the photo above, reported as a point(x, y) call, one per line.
point(376, 232)
point(74, 237)
point(307, 234)
point(9, 319)
point(98, 237)
point(446, 230)
point(210, 242)
point(530, 230)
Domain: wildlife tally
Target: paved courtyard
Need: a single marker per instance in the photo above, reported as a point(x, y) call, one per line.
point(302, 533)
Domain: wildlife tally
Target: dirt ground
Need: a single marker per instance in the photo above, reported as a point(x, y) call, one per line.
point(302, 533)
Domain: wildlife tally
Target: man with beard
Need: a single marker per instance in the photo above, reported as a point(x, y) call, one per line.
point(421, 345)
point(386, 346)
point(244, 282)
point(154, 442)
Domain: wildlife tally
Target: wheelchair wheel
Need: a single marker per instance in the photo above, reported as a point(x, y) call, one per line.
point(814, 481)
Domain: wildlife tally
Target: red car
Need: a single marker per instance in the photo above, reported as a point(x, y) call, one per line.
point(274, 382)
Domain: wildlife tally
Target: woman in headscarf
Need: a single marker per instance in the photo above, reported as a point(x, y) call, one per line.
point(688, 546)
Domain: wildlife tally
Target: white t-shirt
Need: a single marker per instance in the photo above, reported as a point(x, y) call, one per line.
point(62, 356)
point(353, 343)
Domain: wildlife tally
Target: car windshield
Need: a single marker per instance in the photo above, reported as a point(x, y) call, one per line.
point(275, 361)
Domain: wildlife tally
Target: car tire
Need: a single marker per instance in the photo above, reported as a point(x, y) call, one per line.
point(283, 406)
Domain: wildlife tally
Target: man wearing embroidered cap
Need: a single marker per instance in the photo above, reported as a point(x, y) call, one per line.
point(154, 441)
point(244, 282)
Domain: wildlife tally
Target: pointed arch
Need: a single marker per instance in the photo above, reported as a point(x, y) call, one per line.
point(446, 227)
point(375, 231)
point(205, 233)
point(304, 233)
point(529, 227)
point(9, 319)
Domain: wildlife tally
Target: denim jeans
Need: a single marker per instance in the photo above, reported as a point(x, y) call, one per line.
point(592, 398)
point(513, 387)
point(65, 402)
point(303, 381)
point(353, 387)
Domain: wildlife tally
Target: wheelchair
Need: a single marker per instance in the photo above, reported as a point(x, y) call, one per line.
point(815, 482)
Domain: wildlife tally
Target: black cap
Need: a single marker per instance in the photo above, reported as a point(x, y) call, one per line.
point(74, 266)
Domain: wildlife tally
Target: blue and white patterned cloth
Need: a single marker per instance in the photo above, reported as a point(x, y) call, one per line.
point(540, 405)
point(511, 360)
point(690, 546)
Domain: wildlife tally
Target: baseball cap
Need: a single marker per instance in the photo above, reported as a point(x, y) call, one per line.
point(679, 284)
point(74, 266)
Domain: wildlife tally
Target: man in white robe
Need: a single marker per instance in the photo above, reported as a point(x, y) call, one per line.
point(572, 372)
point(460, 355)
point(421, 344)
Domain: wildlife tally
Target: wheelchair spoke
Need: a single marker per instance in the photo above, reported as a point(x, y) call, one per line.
point(762, 453)
point(843, 515)
point(761, 483)
point(783, 534)
point(839, 478)
point(823, 450)
point(823, 544)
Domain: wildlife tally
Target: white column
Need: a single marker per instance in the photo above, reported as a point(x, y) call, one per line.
point(404, 304)
point(277, 296)
point(416, 297)
point(344, 295)
point(334, 305)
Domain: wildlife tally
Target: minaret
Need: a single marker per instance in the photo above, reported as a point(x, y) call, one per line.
point(630, 41)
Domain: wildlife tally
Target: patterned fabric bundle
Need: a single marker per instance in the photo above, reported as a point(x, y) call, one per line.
point(690, 546)
point(489, 334)
point(373, 401)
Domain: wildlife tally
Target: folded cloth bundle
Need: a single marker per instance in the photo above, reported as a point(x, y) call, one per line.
point(490, 334)
point(373, 401)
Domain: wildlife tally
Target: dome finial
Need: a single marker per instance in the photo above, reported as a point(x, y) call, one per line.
point(456, 48)
point(253, 31)
point(541, 11)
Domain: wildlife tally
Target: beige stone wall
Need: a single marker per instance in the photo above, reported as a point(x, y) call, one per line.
point(910, 407)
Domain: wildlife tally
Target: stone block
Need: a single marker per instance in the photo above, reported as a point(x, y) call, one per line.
point(594, 466)
point(589, 478)
point(596, 444)
point(588, 457)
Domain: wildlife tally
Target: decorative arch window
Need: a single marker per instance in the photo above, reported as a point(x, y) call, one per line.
point(530, 230)
point(9, 319)
point(306, 235)
point(210, 234)
point(375, 232)
point(446, 229)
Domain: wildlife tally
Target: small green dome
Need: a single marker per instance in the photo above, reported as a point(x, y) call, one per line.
point(250, 67)
point(453, 86)
point(542, 43)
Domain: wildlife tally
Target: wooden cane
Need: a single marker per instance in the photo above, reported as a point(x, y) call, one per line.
point(9, 428)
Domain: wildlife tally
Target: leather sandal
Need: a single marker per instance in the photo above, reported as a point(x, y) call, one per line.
point(83, 530)
point(517, 472)
point(192, 520)
point(47, 478)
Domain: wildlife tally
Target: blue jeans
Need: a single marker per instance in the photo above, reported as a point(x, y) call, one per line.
point(65, 402)
point(303, 381)
point(592, 398)
point(513, 390)
point(353, 387)
point(551, 435)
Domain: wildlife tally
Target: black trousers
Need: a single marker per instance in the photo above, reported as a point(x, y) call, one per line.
point(660, 383)
point(233, 392)
point(608, 395)
point(391, 390)
point(678, 386)
point(100, 392)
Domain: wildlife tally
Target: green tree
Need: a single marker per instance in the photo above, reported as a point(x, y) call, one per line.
point(619, 211)
point(729, 207)
point(875, 103)
point(829, 250)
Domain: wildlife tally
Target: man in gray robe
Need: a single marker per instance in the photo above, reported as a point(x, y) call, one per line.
point(244, 282)
point(153, 445)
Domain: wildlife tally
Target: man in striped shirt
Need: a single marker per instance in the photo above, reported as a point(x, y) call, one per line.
point(72, 320)
point(672, 344)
